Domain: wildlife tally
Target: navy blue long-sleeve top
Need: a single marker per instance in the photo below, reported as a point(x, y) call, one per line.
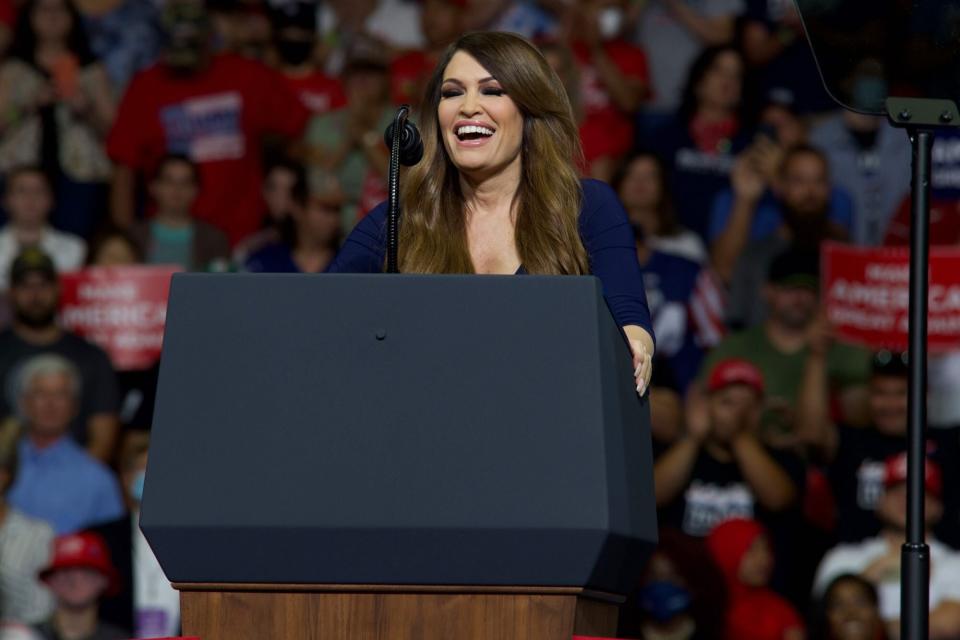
point(604, 229)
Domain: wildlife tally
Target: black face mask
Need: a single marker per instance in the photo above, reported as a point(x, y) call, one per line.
point(294, 52)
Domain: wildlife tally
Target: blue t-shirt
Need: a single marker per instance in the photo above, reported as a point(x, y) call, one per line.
point(670, 281)
point(64, 486)
point(767, 218)
point(604, 229)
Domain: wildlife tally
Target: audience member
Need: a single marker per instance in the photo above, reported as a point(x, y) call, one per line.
point(783, 134)
point(315, 237)
point(34, 297)
point(614, 83)
point(673, 33)
point(849, 610)
point(686, 306)
point(58, 482)
point(25, 546)
point(944, 196)
point(700, 143)
point(240, 27)
point(213, 108)
point(792, 342)
point(867, 159)
point(346, 28)
point(441, 21)
point(643, 187)
point(348, 143)
point(58, 107)
point(284, 185)
point(533, 19)
point(802, 191)
point(741, 549)
point(112, 247)
point(79, 575)
point(773, 42)
point(124, 34)
point(28, 200)
point(681, 595)
point(295, 32)
point(878, 559)
point(149, 605)
point(857, 454)
point(719, 469)
point(172, 235)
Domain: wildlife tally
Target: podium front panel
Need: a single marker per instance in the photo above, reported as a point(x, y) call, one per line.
point(375, 429)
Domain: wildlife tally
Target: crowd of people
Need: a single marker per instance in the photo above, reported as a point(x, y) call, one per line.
point(247, 135)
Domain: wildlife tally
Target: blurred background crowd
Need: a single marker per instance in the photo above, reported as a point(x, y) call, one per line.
point(247, 135)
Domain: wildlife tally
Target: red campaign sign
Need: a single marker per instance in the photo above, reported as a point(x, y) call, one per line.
point(121, 309)
point(866, 293)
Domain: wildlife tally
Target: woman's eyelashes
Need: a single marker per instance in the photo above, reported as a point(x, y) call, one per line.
point(486, 91)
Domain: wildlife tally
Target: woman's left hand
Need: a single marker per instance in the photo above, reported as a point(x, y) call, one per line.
point(642, 365)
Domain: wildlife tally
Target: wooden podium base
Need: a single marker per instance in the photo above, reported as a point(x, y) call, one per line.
point(401, 612)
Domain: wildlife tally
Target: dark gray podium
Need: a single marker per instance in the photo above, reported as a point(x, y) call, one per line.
point(374, 456)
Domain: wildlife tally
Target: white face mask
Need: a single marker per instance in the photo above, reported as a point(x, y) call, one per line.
point(610, 22)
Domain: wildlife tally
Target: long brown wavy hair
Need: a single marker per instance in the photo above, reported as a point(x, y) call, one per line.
point(433, 237)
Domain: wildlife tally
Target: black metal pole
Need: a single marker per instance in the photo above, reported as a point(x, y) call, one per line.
point(915, 555)
point(393, 190)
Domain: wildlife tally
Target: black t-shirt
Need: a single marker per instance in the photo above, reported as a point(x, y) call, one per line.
point(717, 491)
point(696, 175)
point(98, 379)
point(856, 478)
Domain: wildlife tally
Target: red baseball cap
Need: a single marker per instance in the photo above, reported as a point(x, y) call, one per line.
point(735, 371)
point(895, 472)
point(83, 550)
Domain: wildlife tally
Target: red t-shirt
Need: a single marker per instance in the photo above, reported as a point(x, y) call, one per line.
point(8, 13)
point(605, 130)
point(944, 224)
point(318, 92)
point(409, 73)
point(218, 119)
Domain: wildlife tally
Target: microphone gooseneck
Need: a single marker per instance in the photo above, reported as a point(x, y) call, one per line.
point(406, 148)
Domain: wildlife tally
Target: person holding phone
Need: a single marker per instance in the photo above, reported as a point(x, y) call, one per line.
point(57, 107)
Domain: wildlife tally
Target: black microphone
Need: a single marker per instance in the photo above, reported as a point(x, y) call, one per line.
point(411, 146)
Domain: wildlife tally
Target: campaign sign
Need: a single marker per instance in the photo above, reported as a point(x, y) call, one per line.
point(121, 309)
point(867, 299)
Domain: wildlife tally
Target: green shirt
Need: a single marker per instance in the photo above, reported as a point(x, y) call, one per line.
point(170, 245)
point(847, 366)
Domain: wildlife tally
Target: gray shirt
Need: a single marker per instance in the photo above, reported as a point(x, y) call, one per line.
point(877, 180)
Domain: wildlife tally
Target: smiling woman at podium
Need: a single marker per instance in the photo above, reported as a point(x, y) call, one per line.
point(498, 190)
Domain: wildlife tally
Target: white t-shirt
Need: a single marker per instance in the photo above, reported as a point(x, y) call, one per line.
point(855, 558)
